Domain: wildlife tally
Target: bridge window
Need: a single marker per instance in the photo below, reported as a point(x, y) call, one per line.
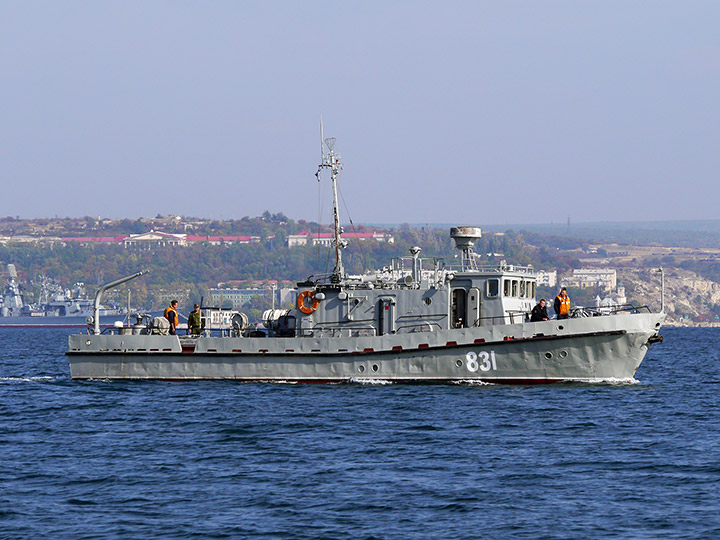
point(506, 287)
point(515, 287)
point(492, 288)
point(522, 289)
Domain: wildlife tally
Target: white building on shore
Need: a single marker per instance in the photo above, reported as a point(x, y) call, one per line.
point(603, 278)
point(547, 279)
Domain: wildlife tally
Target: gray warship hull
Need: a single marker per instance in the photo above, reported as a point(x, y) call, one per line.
point(42, 321)
point(592, 349)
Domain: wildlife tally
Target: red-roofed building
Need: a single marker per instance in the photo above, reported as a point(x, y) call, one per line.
point(155, 238)
point(220, 240)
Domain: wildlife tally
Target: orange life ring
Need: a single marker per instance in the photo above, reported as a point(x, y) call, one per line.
point(307, 295)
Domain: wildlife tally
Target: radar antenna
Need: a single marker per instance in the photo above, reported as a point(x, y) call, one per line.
point(465, 238)
point(331, 160)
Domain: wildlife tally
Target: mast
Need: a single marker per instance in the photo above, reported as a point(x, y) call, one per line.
point(331, 160)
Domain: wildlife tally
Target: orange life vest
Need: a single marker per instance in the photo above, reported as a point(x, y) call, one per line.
point(172, 316)
point(564, 305)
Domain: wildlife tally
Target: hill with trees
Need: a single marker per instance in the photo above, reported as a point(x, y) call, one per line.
point(191, 270)
point(38, 248)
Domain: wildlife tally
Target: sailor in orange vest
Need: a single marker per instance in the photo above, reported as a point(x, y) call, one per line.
point(171, 315)
point(562, 304)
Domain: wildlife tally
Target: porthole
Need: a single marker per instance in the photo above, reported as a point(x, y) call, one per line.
point(375, 367)
point(561, 327)
point(563, 354)
point(548, 355)
point(458, 363)
point(88, 342)
point(428, 301)
point(361, 369)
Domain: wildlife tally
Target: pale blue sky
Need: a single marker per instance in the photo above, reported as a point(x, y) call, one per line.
point(466, 112)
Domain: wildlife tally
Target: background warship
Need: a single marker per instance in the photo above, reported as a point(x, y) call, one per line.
point(56, 306)
point(416, 320)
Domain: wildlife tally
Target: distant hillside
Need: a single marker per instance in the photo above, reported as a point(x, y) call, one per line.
point(690, 233)
point(700, 233)
point(690, 252)
point(197, 267)
point(707, 225)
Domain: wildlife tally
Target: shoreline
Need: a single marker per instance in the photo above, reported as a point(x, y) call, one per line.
point(690, 324)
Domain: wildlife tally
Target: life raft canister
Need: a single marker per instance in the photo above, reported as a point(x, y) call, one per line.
point(306, 302)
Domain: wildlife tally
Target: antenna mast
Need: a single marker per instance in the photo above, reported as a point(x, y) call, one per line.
point(331, 160)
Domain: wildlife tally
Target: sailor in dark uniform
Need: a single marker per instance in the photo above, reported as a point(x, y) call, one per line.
point(539, 312)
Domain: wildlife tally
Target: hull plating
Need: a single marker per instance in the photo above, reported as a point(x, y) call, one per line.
point(593, 349)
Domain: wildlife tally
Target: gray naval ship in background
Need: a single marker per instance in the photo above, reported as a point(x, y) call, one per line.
point(57, 307)
point(417, 320)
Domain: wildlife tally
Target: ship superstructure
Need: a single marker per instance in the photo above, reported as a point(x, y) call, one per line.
point(12, 300)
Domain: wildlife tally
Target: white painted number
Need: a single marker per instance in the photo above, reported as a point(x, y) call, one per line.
point(472, 364)
point(487, 361)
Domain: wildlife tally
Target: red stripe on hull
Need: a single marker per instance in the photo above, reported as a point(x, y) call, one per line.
point(464, 381)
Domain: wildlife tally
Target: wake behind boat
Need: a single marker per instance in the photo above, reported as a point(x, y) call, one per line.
point(417, 320)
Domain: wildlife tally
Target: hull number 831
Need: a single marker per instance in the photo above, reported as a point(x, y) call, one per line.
point(483, 361)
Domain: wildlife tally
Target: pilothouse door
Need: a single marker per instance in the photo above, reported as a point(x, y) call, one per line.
point(386, 316)
point(458, 309)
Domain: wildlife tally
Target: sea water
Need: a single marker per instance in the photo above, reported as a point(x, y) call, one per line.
point(214, 459)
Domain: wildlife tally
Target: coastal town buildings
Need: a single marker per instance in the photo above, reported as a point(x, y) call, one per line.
point(602, 278)
point(547, 279)
point(618, 298)
point(152, 239)
point(236, 297)
point(326, 239)
point(155, 238)
point(233, 296)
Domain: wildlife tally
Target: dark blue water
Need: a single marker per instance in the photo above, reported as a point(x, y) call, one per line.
point(229, 460)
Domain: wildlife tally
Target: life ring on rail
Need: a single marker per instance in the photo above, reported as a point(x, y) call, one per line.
point(303, 306)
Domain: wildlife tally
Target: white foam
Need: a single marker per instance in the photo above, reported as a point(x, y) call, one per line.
point(473, 382)
point(609, 380)
point(370, 381)
point(27, 379)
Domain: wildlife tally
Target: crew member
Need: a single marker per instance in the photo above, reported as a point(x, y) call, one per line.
point(171, 315)
point(539, 312)
point(562, 304)
point(195, 322)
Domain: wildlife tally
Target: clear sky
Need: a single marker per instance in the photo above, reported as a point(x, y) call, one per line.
point(445, 112)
